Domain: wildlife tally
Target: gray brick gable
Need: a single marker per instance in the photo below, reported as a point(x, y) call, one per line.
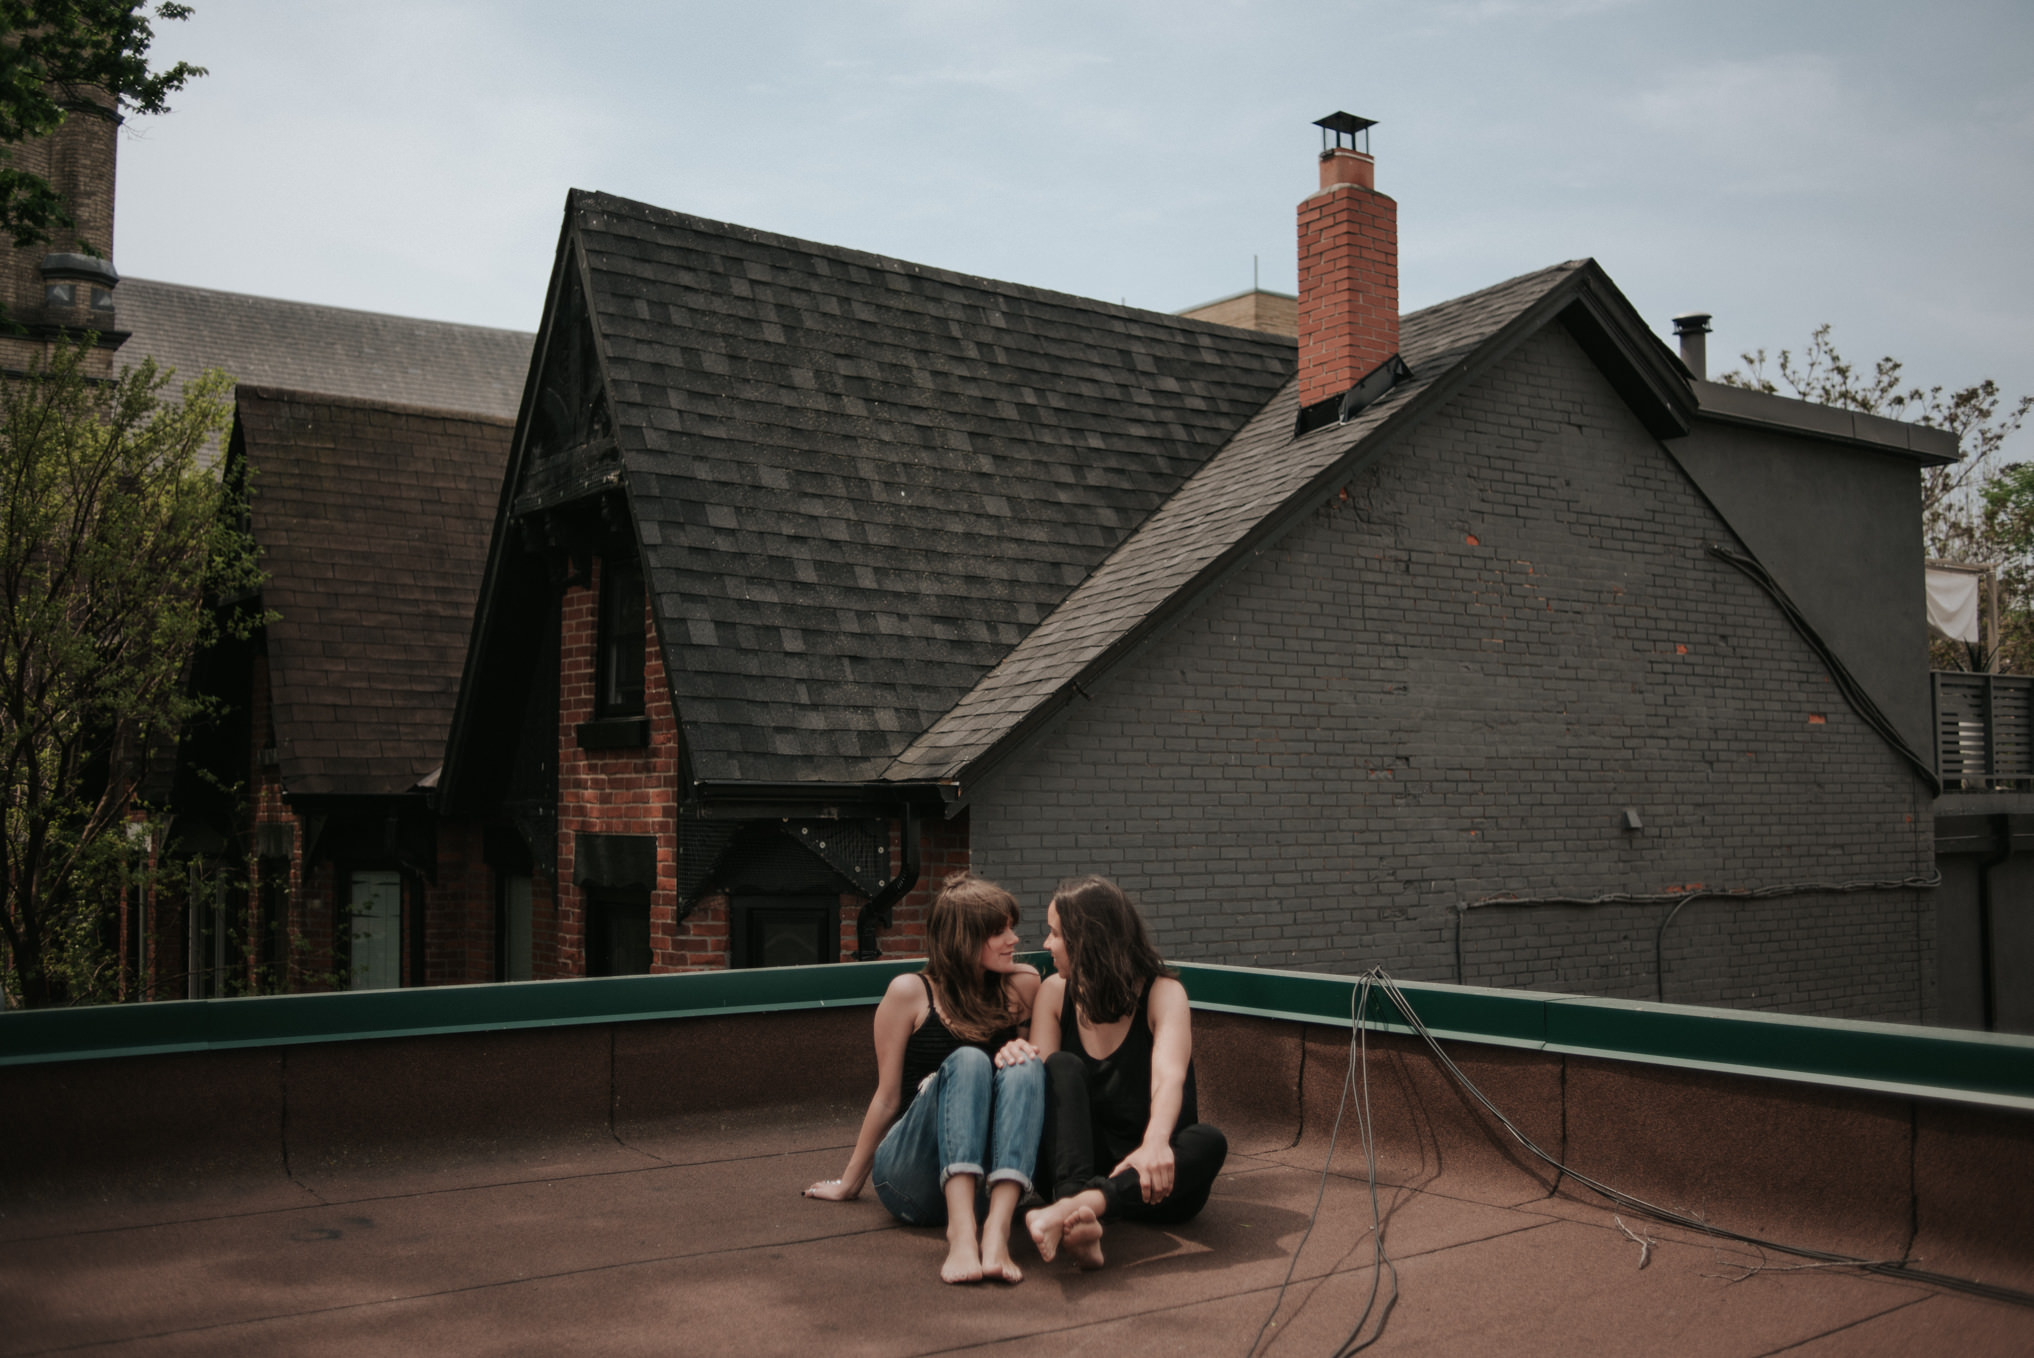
point(1379, 720)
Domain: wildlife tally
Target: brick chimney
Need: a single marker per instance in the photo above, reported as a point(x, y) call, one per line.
point(1348, 268)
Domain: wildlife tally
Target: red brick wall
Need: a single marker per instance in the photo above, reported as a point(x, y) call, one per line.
point(459, 909)
point(621, 792)
point(942, 850)
point(1348, 280)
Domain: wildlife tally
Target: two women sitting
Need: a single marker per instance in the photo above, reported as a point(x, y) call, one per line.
point(963, 1098)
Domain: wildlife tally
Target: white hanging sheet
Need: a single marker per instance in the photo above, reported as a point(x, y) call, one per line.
point(1953, 604)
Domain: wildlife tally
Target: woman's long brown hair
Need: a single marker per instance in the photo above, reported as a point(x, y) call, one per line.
point(967, 913)
point(1109, 954)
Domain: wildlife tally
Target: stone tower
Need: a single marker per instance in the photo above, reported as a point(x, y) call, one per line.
point(65, 286)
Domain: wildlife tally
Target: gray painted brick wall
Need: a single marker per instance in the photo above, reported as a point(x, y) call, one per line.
point(1448, 686)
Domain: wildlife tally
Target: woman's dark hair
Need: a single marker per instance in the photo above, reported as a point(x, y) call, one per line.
point(967, 913)
point(1109, 955)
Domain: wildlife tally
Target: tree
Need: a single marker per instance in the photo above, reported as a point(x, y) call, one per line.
point(1974, 510)
point(117, 546)
point(59, 57)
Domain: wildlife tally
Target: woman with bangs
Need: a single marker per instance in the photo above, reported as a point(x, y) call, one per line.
point(1113, 1026)
point(951, 1136)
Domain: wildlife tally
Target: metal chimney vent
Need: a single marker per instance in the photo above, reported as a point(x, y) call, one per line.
point(1341, 125)
point(1693, 329)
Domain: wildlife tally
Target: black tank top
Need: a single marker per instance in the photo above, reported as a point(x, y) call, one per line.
point(1119, 1084)
point(933, 1042)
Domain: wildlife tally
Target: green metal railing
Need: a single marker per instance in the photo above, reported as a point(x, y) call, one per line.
point(1985, 1068)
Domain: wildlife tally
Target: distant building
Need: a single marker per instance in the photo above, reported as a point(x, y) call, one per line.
point(377, 444)
point(1477, 648)
point(1489, 642)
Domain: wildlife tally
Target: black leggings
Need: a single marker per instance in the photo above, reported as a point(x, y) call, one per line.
point(1079, 1150)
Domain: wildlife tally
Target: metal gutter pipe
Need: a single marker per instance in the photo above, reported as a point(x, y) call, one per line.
point(876, 914)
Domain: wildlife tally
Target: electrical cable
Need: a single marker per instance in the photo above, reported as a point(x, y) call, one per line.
point(1356, 1078)
point(1666, 1214)
point(1677, 899)
point(1359, 1055)
point(1846, 684)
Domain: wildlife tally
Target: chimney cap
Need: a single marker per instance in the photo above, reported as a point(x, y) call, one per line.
point(1345, 125)
point(1692, 323)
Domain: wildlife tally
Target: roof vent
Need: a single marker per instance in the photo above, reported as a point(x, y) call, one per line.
point(1693, 328)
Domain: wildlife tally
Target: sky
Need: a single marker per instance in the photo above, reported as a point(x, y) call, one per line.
point(1780, 164)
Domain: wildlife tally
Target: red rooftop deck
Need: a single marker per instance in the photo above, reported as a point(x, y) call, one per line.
point(632, 1187)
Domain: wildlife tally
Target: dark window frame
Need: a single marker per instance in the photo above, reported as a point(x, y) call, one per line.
point(606, 908)
point(749, 915)
point(621, 648)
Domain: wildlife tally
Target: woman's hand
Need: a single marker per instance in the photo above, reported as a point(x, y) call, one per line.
point(1154, 1167)
point(831, 1190)
point(1016, 1052)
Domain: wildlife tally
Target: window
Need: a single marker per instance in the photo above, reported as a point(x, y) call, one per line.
point(784, 931)
point(617, 932)
point(621, 640)
point(514, 933)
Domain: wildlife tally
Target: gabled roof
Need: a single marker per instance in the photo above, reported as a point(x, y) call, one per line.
point(296, 345)
point(1242, 496)
point(372, 521)
point(858, 482)
point(892, 515)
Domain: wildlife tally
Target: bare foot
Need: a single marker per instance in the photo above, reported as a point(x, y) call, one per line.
point(1046, 1225)
point(997, 1265)
point(963, 1261)
point(1081, 1234)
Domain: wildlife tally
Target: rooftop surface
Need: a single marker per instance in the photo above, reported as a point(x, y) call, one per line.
point(633, 1187)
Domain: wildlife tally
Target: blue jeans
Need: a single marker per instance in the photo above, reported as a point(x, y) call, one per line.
point(967, 1115)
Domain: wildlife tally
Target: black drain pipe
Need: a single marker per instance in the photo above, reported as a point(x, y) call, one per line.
point(2002, 828)
point(876, 914)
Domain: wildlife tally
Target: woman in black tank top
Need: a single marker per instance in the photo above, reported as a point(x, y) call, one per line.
point(951, 1136)
point(1114, 1027)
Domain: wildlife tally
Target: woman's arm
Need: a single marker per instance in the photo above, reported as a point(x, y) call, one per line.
point(1045, 1016)
point(1172, 1047)
point(1023, 998)
point(896, 1018)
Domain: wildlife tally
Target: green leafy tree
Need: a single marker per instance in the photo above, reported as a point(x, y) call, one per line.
point(60, 58)
point(117, 545)
point(1977, 510)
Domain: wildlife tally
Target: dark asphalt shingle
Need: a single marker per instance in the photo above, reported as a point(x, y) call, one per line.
point(862, 481)
point(1250, 479)
point(373, 522)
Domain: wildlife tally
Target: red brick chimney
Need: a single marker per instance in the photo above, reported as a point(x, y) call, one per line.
point(1348, 269)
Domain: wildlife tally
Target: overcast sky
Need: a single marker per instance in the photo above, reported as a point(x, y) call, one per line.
point(1779, 164)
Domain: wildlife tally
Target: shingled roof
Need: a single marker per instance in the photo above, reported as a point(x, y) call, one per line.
point(372, 521)
point(890, 514)
point(1229, 503)
point(860, 482)
point(265, 341)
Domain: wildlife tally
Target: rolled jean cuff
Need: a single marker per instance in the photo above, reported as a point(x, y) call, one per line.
point(958, 1167)
point(1011, 1176)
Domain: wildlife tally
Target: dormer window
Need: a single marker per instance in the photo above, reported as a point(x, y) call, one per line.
point(620, 690)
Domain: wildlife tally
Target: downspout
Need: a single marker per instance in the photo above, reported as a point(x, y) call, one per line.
point(876, 914)
point(2002, 828)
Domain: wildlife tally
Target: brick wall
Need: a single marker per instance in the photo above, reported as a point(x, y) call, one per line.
point(459, 912)
point(1446, 684)
point(78, 160)
point(1347, 315)
point(621, 792)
